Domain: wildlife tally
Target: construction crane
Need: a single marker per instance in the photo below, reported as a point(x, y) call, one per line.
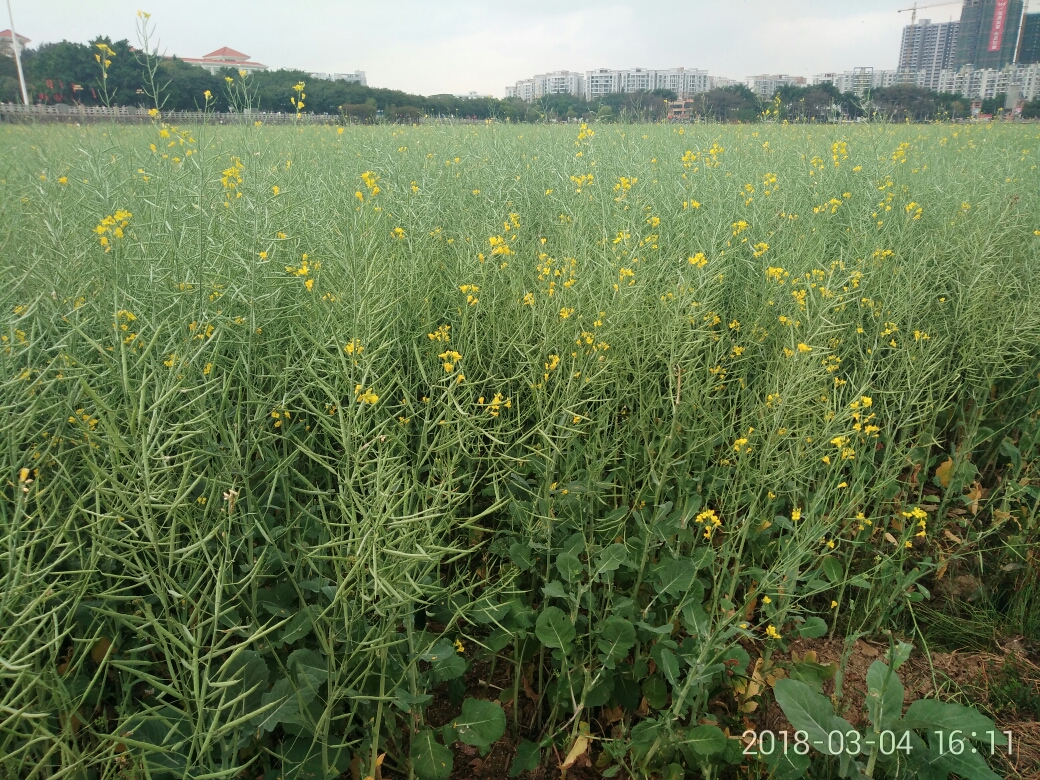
point(914, 9)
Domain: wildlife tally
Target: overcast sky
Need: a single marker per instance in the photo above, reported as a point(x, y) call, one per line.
point(442, 46)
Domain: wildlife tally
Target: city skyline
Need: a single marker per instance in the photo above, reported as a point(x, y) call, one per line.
point(469, 46)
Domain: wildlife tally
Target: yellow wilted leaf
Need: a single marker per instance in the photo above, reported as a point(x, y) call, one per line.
point(581, 744)
point(974, 495)
point(751, 688)
point(952, 537)
point(945, 472)
point(890, 538)
point(100, 649)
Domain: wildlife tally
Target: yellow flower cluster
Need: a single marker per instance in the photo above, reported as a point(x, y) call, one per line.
point(496, 404)
point(304, 269)
point(370, 180)
point(231, 178)
point(624, 184)
point(710, 520)
point(921, 517)
point(366, 397)
point(113, 225)
point(298, 101)
point(450, 358)
point(582, 181)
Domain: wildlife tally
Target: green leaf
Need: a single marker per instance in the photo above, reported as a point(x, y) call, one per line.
point(705, 740)
point(932, 714)
point(251, 675)
point(806, 710)
point(884, 696)
point(656, 691)
point(645, 732)
point(599, 692)
point(554, 629)
point(616, 637)
point(487, 611)
point(301, 760)
point(520, 555)
point(404, 701)
point(670, 666)
point(812, 628)
point(967, 764)
point(430, 759)
point(445, 662)
point(900, 653)
point(813, 674)
point(832, 569)
point(569, 566)
point(785, 765)
point(554, 590)
point(310, 670)
point(677, 577)
point(528, 756)
point(168, 733)
point(695, 619)
point(449, 666)
point(297, 628)
point(481, 723)
point(289, 710)
point(613, 557)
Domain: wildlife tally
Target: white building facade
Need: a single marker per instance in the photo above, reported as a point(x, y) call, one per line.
point(594, 84)
point(357, 77)
point(927, 45)
point(559, 82)
point(982, 84)
point(858, 81)
point(766, 85)
point(987, 83)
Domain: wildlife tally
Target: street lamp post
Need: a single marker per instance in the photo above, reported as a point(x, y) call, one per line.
point(17, 55)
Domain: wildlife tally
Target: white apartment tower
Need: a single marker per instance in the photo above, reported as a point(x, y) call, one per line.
point(685, 82)
point(594, 84)
point(927, 45)
point(559, 82)
point(765, 86)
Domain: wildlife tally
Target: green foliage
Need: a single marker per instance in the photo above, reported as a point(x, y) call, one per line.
point(588, 434)
point(932, 740)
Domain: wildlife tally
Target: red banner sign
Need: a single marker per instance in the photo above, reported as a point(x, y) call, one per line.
point(996, 32)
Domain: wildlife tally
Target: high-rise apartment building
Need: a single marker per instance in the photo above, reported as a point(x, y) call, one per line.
point(1029, 47)
point(859, 81)
point(594, 84)
point(684, 82)
point(988, 33)
point(927, 45)
point(766, 85)
point(559, 82)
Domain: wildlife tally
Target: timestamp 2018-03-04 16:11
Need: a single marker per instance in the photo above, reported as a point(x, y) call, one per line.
point(954, 742)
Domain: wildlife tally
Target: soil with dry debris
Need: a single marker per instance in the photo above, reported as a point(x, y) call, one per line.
point(980, 679)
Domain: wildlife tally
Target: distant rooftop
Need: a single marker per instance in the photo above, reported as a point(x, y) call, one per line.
point(226, 53)
point(21, 38)
point(225, 57)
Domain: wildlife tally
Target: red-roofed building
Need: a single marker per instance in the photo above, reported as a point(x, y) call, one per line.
point(225, 57)
point(6, 48)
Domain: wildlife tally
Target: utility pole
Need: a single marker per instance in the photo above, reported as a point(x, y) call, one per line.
point(17, 56)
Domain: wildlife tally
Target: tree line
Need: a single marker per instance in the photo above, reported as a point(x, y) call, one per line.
point(70, 73)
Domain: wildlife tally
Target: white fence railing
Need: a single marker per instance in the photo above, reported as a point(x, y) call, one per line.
point(14, 112)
